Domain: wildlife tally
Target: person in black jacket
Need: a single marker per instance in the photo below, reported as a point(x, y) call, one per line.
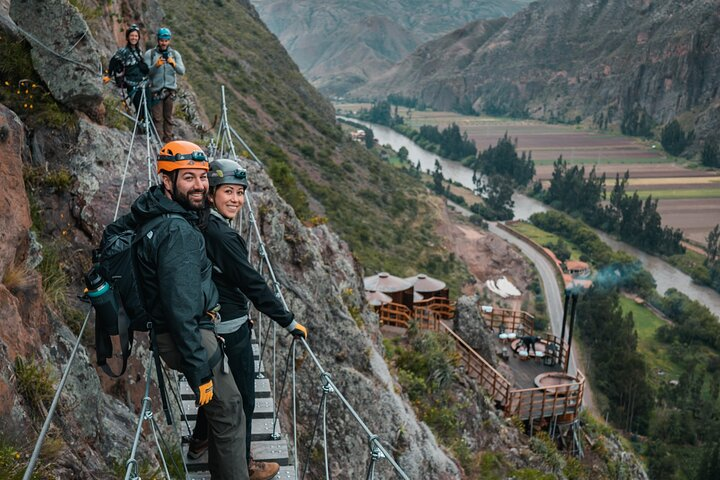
point(237, 281)
point(175, 280)
point(128, 67)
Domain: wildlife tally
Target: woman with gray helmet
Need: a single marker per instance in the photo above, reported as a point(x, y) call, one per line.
point(237, 281)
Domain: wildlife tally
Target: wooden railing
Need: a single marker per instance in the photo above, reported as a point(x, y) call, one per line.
point(544, 402)
point(501, 319)
point(427, 312)
point(441, 306)
point(526, 404)
point(477, 367)
point(395, 315)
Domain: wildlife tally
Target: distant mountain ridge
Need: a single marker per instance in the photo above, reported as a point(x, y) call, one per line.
point(340, 45)
point(564, 59)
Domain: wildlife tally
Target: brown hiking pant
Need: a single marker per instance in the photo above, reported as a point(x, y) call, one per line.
point(226, 449)
point(162, 114)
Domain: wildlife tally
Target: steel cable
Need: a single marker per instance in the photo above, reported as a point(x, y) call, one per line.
point(294, 410)
point(53, 405)
point(157, 433)
point(321, 410)
point(32, 37)
point(132, 462)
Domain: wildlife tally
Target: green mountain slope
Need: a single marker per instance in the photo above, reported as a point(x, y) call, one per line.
point(291, 127)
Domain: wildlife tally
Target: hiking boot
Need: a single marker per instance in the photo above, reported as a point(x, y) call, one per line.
point(197, 448)
point(262, 470)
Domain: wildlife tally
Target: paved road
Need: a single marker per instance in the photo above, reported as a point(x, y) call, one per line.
point(553, 297)
point(546, 270)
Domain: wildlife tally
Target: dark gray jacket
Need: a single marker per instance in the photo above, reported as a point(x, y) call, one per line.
point(130, 61)
point(175, 278)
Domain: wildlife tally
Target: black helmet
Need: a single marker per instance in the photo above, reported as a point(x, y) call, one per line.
point(225, 171)
point(131, 28)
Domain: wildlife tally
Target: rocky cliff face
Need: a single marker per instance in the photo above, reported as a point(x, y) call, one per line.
point(562, 59)
point(341, 45)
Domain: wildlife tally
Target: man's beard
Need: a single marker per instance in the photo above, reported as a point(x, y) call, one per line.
point(187, 204)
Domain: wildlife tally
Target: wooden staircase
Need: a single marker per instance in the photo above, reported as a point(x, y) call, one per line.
point(264, 447)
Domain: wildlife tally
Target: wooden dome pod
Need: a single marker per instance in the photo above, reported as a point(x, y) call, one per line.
point(398, 289)
point(427, 286)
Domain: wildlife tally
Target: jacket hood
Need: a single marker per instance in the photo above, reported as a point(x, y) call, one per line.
point(153, 203)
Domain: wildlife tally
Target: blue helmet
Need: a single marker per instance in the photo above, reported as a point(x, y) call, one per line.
point(164, 34)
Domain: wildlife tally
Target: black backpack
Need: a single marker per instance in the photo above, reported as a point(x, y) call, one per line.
point(113, 291)
point(116, 70)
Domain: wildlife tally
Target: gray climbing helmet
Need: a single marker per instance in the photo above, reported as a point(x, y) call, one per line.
point(224, 171)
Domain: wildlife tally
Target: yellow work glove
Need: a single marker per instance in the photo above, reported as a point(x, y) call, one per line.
point(297, 330)
point(106, 79)
point(206, 393)
point(171, 61)
point(159, 62)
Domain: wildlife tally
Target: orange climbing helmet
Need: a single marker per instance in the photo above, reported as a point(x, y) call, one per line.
point(181, 154)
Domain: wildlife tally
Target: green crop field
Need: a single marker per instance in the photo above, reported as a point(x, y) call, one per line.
point(657, 355)
point(541, 237)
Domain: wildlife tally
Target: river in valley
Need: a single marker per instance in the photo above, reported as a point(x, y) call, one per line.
point(666, 276)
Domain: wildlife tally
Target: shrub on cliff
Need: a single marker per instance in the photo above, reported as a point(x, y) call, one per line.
point(674, 139)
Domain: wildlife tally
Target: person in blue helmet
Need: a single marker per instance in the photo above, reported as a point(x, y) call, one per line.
point(165, 64)
point(238, 282)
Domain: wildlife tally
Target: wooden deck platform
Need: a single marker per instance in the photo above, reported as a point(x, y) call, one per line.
point(525, 371)
point(517, 397)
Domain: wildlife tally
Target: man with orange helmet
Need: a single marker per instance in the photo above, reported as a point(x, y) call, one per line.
point(174, 278)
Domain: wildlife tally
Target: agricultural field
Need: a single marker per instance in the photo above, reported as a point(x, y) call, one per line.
point(689, 198)
point(541, 237)
point(658, 355)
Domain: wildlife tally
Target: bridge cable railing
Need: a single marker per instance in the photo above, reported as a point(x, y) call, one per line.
point(51, 412)
point(146, 415)
point(223, 147)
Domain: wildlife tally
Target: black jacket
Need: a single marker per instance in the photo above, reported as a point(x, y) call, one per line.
point(129, 60)
point(174, 277)
point(237, 281)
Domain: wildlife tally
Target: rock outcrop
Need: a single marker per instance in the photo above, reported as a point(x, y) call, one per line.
point(95, 428)
point(64, 52)
point(470, 326)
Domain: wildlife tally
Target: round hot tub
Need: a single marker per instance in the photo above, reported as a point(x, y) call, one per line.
point(554, 379)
